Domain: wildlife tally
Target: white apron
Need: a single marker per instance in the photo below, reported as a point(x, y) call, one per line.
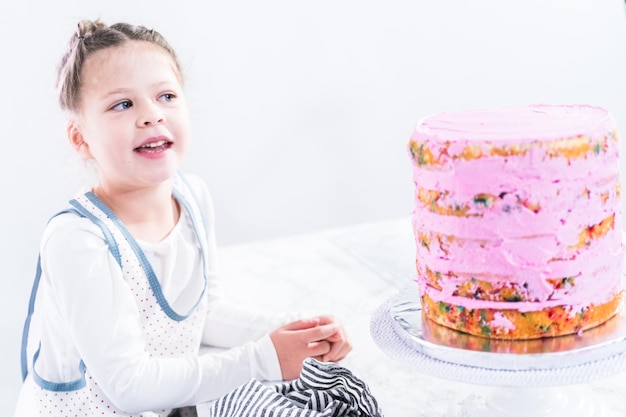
point(178, 332)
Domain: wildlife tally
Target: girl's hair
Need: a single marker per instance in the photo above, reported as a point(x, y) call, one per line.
point(93, 36)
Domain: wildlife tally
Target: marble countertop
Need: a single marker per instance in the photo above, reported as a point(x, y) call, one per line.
point(351, 272)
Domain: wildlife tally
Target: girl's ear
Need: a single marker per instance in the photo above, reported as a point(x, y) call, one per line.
point(77, 140)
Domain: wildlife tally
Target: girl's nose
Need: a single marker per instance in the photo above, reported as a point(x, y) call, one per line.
point(151, 115)
point(154, 121)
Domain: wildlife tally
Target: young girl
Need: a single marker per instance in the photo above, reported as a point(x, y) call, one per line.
point(127, 287)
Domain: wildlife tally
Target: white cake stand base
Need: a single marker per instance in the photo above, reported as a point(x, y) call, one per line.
point(563, 401)
point(543, 384)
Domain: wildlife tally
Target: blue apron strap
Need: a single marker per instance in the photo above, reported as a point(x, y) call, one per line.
point(31, 309)
point(145, 264)
point(113, 248)
point(31, 304)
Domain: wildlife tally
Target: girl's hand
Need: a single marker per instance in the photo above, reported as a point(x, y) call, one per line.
point(322, 338)
point(340, 346)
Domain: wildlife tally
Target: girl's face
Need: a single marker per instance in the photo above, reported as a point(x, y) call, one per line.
point(133, 119)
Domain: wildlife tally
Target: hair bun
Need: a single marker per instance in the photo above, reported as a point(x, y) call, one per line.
point(86, 28)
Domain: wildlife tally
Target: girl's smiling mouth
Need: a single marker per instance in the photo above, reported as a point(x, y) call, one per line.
point(154, 146)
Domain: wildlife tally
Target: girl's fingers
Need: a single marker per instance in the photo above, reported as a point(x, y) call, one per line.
point(302, 324)
point(333, 353)
point(336, 337)
point(318, 333)
point(337, 352)
point(319, 349)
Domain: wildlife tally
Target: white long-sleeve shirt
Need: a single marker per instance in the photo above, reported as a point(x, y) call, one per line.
point(86, 312)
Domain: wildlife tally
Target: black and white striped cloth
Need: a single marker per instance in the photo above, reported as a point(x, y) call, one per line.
point(323, 390)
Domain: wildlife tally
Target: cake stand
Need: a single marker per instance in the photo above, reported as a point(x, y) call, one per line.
point(529, 378)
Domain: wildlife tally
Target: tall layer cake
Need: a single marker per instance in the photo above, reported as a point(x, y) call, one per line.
point(517, 220)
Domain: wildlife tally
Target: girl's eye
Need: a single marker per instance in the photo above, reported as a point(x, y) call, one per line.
point(122, 105)
point(167, 97)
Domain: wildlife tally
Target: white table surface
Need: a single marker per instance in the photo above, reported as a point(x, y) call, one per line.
point(351, 272)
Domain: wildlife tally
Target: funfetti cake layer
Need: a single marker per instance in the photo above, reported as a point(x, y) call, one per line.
point(517, 219)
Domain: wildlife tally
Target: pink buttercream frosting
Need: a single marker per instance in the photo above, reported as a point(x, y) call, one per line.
point(522, 195)
point(500, 321)
point(515, 124)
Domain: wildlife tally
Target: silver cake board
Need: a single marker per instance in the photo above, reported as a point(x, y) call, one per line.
point(545, 375)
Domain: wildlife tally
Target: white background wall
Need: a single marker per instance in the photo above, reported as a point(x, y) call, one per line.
point(301, 109)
